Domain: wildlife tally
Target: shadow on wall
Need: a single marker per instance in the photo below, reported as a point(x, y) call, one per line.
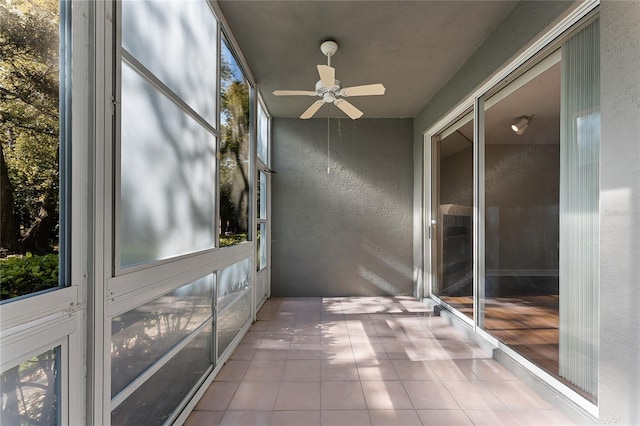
point(349, 231)
point(384, 267)
point(167, 202)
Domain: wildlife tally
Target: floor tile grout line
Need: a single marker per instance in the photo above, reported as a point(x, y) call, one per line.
point(394, 322)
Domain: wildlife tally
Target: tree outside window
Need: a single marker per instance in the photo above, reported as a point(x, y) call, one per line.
point(234, 151)
point(29, 135)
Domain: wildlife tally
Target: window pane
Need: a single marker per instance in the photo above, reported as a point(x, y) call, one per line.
point(262, 196)
point(452, 194)
point(176, 41)
point(155, 401)
point(263, 134)
point(262, 246)
point(234, 301)
point(31, 159)
point(231, 320)
point(234, 151)
point(167, 170)
point(31, 391)
point(232, 281)
point(522, 195)
point(141, 336)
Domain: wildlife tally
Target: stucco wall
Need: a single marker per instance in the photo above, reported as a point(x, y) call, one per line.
point(346, 232)
point(619, 391)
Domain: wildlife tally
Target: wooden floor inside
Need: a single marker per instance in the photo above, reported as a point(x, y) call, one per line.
point(528, 324)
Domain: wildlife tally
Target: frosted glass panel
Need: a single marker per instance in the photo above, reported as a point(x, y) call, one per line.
point(141, 336)
point(231, 320)
point(167, 177)
point(176, 41)
point(263, 134)
point(155, 401)
point(31, 391)
point(232, 281)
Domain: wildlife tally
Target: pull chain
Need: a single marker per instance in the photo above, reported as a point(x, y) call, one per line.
point(328, 138)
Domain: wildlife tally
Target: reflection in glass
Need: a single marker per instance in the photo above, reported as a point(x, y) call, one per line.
point(32, 157)
point(262, 195)
point(167, 167)
point(263, 134)
point(31, 391)
point(141, 336)
point(234, 151)
point(453, 211)
point(234, 301)
point(164, 393)
point(262, 246)
point(522, 196)
point(176, 41)
point(231, 320)
point(232, 281)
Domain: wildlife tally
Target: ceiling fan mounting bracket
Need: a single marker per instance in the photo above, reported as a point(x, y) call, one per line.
point(329, 47)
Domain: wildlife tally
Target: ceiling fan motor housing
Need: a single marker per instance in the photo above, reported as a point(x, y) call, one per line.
point(321, 89)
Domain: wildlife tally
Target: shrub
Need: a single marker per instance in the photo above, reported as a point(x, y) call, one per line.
point(20, 275)
point(233, 239)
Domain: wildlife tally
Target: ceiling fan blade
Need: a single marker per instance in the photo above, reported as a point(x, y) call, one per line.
point(327, 75)
point(294, 93)
point(312, 109)
point(348, 109)
point(369, 89)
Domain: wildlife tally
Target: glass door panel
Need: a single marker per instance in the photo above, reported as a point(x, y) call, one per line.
point(452, 215)
point(522, 196)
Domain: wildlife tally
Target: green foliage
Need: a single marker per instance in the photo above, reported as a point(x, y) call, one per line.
point(234, 153)
point(232, 239)
point(20, 275)
point(29, 106)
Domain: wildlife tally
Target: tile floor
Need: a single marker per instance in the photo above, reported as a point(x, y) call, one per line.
point(363, 361)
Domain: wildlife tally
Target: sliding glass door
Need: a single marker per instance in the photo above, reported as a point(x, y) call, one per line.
point(541, 168)
point(522, 196)
point(452, 215)
point(520, 257)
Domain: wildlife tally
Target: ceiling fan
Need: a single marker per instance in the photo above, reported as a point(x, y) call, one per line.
point(329, 89)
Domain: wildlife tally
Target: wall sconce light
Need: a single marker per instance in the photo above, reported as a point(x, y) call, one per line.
point(521, 125)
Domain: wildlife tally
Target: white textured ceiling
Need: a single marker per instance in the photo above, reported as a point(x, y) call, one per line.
point(412, 47)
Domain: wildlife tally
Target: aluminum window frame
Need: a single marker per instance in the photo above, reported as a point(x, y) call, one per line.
point(36, 323)
point(263, 276)
point(119, 290)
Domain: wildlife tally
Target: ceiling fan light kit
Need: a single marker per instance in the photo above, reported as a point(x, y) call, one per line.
point(330, 90)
